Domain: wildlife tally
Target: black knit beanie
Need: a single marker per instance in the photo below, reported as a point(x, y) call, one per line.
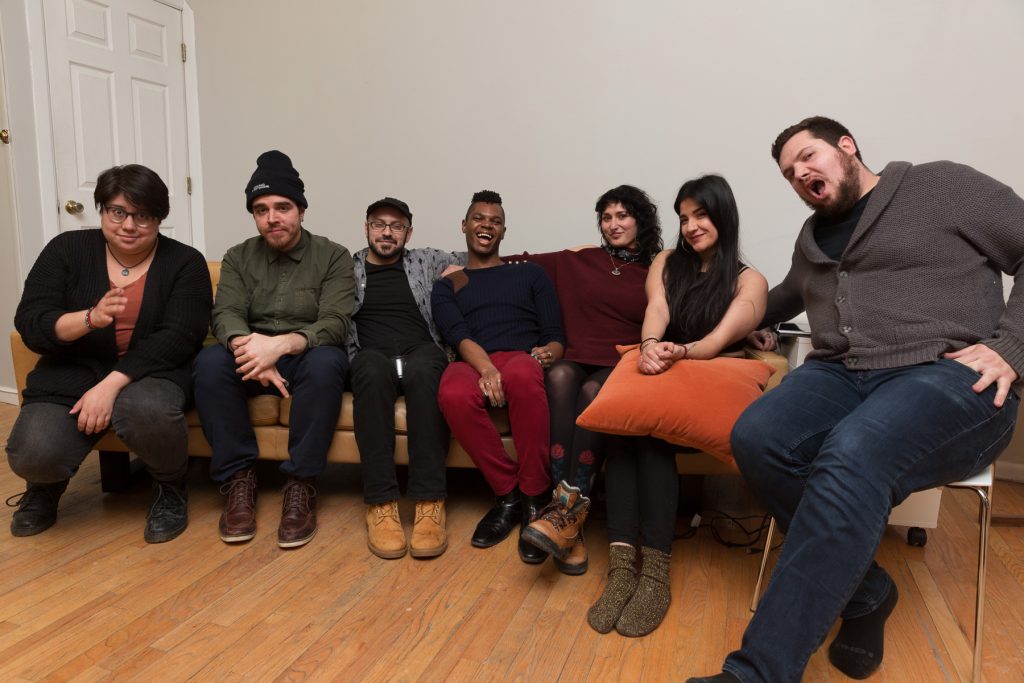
point(275, 174)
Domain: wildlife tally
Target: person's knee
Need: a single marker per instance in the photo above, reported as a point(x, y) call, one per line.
point(369, 367)
point(211, 364)
point(522, 376)
point(149, 410)
point(424, 368)
point(323, 368)
point(37, 458)
point(457, 393)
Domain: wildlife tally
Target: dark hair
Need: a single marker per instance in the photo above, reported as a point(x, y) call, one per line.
point(640, 207)
point(696, 301)
point(820, 127)
point(139, 185)
point(485, 197)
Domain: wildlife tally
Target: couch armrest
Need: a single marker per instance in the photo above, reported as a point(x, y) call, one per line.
point(24, 360)
point(773, 359)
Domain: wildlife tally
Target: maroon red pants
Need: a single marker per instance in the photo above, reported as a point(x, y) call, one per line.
point(464, 407)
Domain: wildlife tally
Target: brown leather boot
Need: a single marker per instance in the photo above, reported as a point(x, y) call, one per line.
point(384, 533)
point(238, 521)
point(429, 536)
point(575, 563)
point(298, 513)
point(557, 528)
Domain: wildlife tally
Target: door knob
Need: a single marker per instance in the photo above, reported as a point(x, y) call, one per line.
point(5, 136)
point(73, 207)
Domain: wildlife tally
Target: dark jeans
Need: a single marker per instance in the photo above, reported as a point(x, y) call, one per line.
point(375, 386)
point(46, 447)
point(316, 381)
point(576, 453)
point(643, 491)
point(830, 452)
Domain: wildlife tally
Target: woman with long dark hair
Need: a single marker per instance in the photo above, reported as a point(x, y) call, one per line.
point(701, 303)
point(601, 290)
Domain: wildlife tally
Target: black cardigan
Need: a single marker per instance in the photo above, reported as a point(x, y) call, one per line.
point(71, 275)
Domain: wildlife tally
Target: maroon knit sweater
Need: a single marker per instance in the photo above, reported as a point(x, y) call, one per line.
point(599, 310)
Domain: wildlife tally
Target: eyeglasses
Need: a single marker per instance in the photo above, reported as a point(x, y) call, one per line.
point(141, 219)
point(396, 228)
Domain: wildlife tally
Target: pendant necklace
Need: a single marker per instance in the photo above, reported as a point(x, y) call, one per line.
point(126, 270)
point(615, 268)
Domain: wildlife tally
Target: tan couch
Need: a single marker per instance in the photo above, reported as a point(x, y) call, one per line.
point(270, 420)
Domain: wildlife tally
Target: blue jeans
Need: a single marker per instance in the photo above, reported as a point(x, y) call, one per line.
point(316, 381)
point(830, 452)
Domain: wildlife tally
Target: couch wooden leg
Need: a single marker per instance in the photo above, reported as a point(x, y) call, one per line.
point(116, 471)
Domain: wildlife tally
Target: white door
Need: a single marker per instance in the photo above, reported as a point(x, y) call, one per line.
point(117, 89)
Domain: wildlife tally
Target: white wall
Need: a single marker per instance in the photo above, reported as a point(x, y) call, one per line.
point(551, 103)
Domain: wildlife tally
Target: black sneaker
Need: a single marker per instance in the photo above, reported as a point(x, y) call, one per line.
point(37, 508)
point(168, 512)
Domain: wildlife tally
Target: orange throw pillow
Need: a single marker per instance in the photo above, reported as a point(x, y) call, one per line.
point(693, 403)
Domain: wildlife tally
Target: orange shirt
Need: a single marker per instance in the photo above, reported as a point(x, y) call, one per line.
point(124, 324)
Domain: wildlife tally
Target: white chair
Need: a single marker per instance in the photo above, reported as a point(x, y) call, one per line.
point(981, 484)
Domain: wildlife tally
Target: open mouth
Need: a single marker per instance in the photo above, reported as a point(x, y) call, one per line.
point(484, 237)
point(816, 188)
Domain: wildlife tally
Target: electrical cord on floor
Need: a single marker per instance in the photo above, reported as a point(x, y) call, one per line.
point(718, 518)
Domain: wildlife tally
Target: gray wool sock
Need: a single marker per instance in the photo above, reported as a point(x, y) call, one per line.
point(617, 592)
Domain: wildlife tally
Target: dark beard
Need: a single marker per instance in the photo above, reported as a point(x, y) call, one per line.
point(847, 193)
point(384, 257)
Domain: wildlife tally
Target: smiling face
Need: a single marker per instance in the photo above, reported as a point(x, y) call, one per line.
point(279, 221)
point(484, 227)
point(387, 231)
point(618, 227)
point(826, 178)
point(128, 239)
point(697, 229)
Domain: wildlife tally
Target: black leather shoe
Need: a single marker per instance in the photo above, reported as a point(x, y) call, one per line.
point(168, 512)
point(528, 552)
point(37, 508)
point(499, 521)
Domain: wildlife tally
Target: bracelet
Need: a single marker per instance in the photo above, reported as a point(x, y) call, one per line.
point(649, 339)
point(88, 318)
point(686, 352)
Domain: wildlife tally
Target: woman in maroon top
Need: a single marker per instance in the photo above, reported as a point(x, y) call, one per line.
point(601, 290)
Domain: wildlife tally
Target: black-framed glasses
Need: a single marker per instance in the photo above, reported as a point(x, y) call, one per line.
point(396, 228)
point(117, 214)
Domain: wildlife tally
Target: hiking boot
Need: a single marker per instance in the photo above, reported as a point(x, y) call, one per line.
point(384, 533)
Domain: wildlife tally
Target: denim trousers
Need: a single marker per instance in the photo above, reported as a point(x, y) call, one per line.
point(830, 452)
point(46, 447)
point(316, 382)
point(375, 387)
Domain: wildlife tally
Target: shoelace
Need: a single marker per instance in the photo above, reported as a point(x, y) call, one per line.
point(296, 494)
point(386, 511)
point(163, 502)
point(434, 509)
point(238, 492)
point(15, 500)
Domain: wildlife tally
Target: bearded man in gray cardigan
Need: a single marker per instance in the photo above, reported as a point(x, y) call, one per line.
point(910, 384)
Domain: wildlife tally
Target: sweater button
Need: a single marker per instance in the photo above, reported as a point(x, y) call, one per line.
point(845, 329)
point(853, 361)
point(843, 273)
point(840, 299)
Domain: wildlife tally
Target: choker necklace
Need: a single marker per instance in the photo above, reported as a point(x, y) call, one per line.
point(126, 270)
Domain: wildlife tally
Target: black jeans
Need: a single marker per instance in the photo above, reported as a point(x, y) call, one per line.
point(316, 381)
point(46, 447)
point(375, 387)
point(643, 491)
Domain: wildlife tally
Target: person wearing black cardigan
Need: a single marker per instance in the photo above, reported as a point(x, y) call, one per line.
point(117, 314)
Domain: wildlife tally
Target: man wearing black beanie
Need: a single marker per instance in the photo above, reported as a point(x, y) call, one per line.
point(282, 314)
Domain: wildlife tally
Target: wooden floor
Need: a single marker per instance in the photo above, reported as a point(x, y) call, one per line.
point(90, 600)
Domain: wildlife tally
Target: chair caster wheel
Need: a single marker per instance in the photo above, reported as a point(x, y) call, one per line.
point(917, 537)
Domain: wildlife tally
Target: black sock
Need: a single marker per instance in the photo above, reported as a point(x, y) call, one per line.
point(858, 648)
point(724, 677)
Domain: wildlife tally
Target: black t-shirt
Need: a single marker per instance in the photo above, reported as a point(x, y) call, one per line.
point(389, 320)
point(832, 237)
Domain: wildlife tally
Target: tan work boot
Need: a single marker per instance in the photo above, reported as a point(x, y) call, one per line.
point(429, 536)
point(575, 563)
point(384, 533)
point(557, 527)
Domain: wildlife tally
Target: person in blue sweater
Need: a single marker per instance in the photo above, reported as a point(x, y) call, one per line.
point(504, 322)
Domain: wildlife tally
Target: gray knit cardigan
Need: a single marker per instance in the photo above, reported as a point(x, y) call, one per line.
point(920, 275)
